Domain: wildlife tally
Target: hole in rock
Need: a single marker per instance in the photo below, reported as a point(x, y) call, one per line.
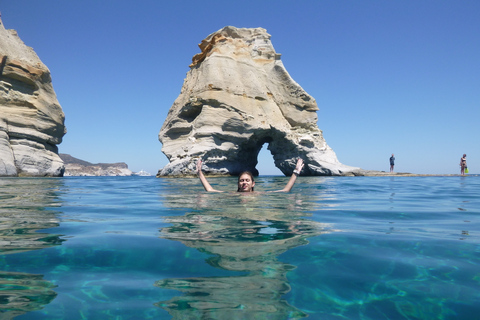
point(266, 165)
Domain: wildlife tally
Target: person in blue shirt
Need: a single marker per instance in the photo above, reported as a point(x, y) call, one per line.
point(392, 162)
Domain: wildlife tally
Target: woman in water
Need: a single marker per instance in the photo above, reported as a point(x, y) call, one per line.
point(246, 182)
point(463, 164)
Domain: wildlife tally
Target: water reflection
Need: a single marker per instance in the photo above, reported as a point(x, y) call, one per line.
point(22, 292)
point(244, 234)
point(23, 203)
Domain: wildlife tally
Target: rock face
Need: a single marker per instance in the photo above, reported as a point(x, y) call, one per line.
point(236, 97)
point(77, 167)
point(31, 119)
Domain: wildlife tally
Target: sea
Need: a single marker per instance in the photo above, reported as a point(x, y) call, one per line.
point(161, 248)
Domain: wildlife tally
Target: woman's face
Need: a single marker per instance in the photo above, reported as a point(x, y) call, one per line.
point(245, 183)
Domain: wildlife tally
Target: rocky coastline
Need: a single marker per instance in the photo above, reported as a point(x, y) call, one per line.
point(81, 168)
point(371, 173)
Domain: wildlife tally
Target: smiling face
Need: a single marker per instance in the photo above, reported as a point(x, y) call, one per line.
point(245, 182)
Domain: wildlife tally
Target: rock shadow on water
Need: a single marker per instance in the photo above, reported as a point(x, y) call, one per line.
point(244, 234)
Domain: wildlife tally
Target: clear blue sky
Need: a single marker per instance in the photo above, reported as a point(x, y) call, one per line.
point(397, 77)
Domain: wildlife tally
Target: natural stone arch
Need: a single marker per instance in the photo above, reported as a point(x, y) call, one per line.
point(246, 159)
point(236, 97)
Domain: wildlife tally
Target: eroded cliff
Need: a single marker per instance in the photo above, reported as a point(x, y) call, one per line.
point(236, 97)
point(31, 119)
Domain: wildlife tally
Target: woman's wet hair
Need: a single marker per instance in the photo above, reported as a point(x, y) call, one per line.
point(248, 173)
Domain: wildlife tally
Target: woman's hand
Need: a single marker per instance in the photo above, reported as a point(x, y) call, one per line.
point(293, 177)
point(299, 165)
point(199, 166)
point(204, 181)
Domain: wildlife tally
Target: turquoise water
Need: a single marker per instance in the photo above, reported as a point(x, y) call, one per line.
point(147, 248)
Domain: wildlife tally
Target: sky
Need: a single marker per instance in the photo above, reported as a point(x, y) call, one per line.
point(398, 77)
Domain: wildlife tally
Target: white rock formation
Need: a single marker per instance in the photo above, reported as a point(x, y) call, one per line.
point(31, 119)
point(236, 97)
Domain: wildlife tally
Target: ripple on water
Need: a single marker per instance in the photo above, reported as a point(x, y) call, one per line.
point(333, 248)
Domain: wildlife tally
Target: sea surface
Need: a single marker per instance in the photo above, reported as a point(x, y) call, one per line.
point(147, 248)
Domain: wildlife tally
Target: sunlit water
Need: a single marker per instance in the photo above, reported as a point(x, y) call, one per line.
point(147, 248)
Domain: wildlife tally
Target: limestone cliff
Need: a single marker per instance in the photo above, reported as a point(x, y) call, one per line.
point(31, 119)
point(236, 97)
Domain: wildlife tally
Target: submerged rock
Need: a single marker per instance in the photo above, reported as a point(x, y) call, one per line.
point(31, 119)
point(236, 97)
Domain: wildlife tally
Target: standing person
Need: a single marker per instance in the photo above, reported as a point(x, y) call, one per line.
point(463, 164)
point(246, 182)
point(392, 162)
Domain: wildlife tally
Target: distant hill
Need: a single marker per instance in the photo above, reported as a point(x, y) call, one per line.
point(68, 159)
point(78, 167)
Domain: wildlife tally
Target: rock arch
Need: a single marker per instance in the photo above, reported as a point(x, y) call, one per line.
point(236, 97)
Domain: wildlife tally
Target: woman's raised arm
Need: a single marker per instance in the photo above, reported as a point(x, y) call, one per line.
point(293, 177)
point(203, 179)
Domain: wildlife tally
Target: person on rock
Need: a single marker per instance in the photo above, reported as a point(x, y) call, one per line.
point(246, 182)
point(463, 164)
point(392, 162)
